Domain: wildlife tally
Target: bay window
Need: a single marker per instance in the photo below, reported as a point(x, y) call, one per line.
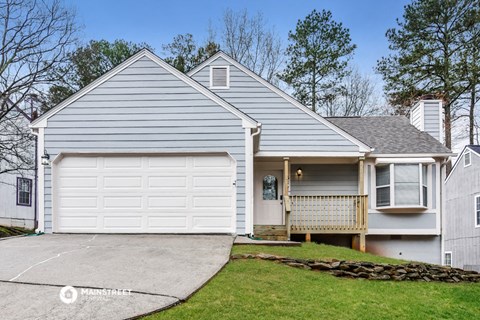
point(402, 185)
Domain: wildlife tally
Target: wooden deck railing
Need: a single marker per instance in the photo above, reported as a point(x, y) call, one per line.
point(329, 214)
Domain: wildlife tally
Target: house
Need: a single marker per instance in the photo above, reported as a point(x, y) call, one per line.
point(148, 149)
point(461, 232)
point(17, 182)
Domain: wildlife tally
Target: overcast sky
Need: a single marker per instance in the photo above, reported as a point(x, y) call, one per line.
point(156, 22)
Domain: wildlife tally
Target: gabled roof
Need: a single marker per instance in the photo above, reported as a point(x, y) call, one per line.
point(246, 120)
point(391, 135)
point(364, 147)
point(475, 148)
point(471, 147)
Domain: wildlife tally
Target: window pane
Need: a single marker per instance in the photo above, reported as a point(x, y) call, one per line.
point(425, 196)
point(383, 196)
point(270, 188)
point(24, 191)
point(383, 175)
point(478, 211)
point(407, 184)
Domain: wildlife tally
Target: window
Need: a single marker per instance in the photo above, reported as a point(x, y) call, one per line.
point(467, 158)
point(270, 188)
point(24, 192)
point(402, 185)
point(477, 211)
point(219, 77)
point(448, 259)
point(383, 186)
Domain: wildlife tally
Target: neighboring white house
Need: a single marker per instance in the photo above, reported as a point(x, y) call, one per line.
point(17, 188)
point(461, 220)
point(148, 149)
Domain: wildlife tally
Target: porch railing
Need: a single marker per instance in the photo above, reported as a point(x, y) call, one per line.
point(329, 214)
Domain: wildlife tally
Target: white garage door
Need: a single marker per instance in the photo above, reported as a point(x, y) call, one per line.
point(145, 194)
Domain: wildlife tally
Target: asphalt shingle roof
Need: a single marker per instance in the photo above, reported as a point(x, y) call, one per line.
point(390, 135)
point(474, 147)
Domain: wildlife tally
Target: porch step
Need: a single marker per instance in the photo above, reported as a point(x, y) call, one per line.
point(270, 232)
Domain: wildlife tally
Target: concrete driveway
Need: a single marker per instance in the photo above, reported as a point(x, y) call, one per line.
point(113, 276)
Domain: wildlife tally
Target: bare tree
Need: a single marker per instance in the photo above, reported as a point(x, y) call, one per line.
point(357, 95)
point(249, 41)
point(16, 141)
point(34, 37)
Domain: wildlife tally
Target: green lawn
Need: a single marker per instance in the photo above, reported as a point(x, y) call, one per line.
point(266, 290)
point(13, 231)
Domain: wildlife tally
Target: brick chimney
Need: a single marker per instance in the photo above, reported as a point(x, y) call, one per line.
point(427, 115)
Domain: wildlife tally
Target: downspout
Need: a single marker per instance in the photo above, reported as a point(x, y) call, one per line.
point(255, 132)
point(35, 206)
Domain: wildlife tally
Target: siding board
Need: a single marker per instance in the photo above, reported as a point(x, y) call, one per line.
point(280, 119)
point(145, 108)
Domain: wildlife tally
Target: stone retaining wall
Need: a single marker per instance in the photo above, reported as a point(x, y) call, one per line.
point(374, 271)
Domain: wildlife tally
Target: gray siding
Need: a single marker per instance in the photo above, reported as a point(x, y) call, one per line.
point(381, 220)
point(10, 213)
point(285, 127)
point(324, 179)
point(145, 108)
point(432, 118)
point(459, 231)
point(411, 248)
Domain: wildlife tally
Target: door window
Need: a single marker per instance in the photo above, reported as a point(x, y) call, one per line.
point(270, 188)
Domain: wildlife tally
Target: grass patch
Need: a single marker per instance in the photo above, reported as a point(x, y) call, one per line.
point(317, 252)
point(13, 231)
point(267, 290)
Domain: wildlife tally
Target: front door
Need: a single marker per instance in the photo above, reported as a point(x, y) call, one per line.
point(268, 197)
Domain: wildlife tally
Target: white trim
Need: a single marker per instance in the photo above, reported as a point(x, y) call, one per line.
point(469, 158)
point(402, 232)
point(440, 171)
point(476, 211)
point(404, 160)
point(227, 68)
point(362, 146)
point(41, 179)
point(422, 116)
point(247, 122)
point(440, 121)
point(308, 154)
point(412, 155)
point(248, 181)
point(451, 258)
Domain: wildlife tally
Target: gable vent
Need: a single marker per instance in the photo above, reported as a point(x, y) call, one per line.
point(219, 77)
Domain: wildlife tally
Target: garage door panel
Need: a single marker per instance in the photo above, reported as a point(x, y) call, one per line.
point(167, 182)
point(79, 162)
point(167, 223)
point(121, 182)
point(213, 222)
point(122, 162)
point(80, 182)
point(166, 202)
point(212, 202)
point(167, 162)
point(208, 162)
point(122, 222)
point(78, 202)
point(76, 222)
point(122, 202)
point(221, 182)
point(145, 194)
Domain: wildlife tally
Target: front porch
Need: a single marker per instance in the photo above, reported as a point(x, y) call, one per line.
point(314, 199)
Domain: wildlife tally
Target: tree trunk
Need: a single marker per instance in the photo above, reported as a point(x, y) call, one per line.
point(471, 116)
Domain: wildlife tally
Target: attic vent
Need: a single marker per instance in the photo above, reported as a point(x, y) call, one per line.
point(219, 77)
